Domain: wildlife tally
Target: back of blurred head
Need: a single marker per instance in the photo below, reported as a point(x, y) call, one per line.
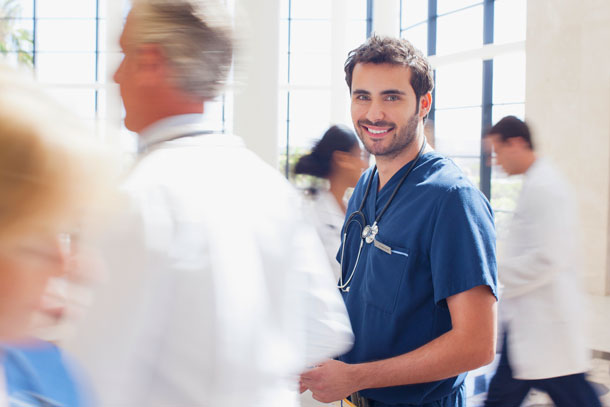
point(512, 127)
point(512, 142)
point(177, 54)
point(50, 175)
point(322, 161)
point(337, 158)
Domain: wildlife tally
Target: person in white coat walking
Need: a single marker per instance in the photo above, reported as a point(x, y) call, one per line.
point(541, 307)
point(219, 293)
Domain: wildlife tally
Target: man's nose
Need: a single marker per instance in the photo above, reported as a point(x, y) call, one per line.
point(117, 74)
point(375, 112)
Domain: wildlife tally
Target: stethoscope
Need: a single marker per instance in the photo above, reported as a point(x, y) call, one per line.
point(369, 232)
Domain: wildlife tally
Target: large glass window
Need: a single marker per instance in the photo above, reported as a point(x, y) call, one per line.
point(414, 23)
point(476, 82)
point(508, 99)
point(509, 21)
point(312, 34)
point(67, 44)
point(60, 40)
point(460, 30)
point(449, 6)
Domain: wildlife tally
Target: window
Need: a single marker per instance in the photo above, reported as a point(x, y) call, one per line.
point(460, 30)
point(414, 23)
point(509, 21)
point(315, 37)
point(477, 50)
point(62, 40)
point(72, 45)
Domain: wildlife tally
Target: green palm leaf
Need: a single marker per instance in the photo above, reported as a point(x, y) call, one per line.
point(13, 39)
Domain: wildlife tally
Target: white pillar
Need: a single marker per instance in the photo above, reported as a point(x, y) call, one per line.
point(567, 103)
point(386, 17)
point(255, 109)
point(339, 92)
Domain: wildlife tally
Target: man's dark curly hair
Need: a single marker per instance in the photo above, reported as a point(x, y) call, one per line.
point(395, 51)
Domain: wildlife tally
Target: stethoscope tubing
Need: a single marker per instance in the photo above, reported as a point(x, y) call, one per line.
point(344, 286)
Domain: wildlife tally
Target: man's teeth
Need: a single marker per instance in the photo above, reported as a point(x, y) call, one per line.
point(378, 131)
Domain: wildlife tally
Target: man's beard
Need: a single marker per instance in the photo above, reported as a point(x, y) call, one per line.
point(401, 140)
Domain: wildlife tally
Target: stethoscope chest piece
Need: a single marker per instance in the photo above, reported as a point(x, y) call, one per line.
point(369, 232)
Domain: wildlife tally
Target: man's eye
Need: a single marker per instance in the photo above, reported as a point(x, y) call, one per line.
point(362, 97)
point(392, 98)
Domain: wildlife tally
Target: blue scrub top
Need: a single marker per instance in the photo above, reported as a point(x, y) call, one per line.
point(441, 232)
point(38, 374)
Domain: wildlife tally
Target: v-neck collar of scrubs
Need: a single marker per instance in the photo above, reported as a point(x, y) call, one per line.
point(377, 198)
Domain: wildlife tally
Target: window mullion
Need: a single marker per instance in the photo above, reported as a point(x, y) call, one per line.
point(487, 98)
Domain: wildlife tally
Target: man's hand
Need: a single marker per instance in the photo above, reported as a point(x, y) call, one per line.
point(468, 345)
point(330, 381)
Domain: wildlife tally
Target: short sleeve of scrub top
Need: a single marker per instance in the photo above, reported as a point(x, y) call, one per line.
point(461, 256)
point(441, 233)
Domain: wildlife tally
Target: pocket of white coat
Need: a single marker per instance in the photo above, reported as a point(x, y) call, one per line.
point(384, 278)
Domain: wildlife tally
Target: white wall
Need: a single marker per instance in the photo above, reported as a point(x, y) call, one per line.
point(568, 105)
point(256, 89)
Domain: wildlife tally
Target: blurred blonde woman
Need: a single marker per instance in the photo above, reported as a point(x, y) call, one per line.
point(50, 176)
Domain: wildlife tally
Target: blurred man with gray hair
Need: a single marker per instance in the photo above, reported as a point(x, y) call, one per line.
point(219, 293)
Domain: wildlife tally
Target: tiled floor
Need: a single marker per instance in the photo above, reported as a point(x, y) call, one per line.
point(599, 374)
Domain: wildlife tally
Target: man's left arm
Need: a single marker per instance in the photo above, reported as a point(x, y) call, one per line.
point(469, 344)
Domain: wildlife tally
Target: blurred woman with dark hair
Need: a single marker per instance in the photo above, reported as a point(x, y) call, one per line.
point(337, 158)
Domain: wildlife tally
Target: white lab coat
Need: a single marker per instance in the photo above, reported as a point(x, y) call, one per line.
point(328, 220)
point(220, 293)
point(542, 305)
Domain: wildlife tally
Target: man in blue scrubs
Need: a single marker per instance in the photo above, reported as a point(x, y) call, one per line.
point(421, 290)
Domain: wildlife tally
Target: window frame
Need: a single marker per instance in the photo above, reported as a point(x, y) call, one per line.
point(485, 53)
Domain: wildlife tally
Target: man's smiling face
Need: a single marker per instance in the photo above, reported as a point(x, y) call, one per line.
point(384, 108)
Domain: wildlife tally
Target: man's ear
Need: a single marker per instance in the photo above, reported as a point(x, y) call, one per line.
point(425, 104)
point(152, 64)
